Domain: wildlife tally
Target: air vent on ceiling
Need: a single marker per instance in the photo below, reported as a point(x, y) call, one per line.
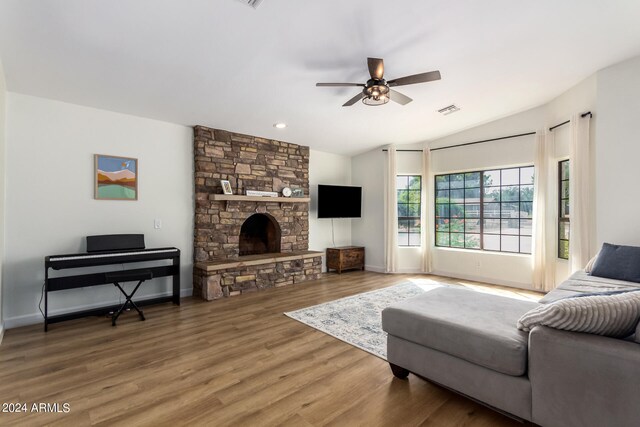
point(253, 3)
point(449, 110)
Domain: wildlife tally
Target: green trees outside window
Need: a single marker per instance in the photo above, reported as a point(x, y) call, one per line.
point(409, 188)
point(563, 209)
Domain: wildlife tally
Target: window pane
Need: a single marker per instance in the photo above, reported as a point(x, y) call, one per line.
point(414, 182)
point(414, 239)
point(457, 196)
point(565, 209)
point(525, 245)
point(457, 240)
point(442, 182)
point(403, 239)
point(472, 241)
point(526, 193)
point(491, 242)
point(491, 226)
point(403, 226)
point(563, 232)
point(527, 175)
point(457, 211)
point(563, 249)
point(492, 210)
point(413, 210)
point(442, 225)
point(565, 190)
point(510, 226)
point(442, 211)
point(526, 227)
point(491, 178)
point(491, 194)
point(472, 180)
point(402, 181)
point(472, 210)
point(414, 196)
point(510, 210)
point(472, 195)
point(457, 225)
point(403, 196)
point(457, 180)
point(472, 226)
point(414, 225)
point(526, 209)
point(564, 166)
point(510, 194)
point(442, 239)
point(510, 176)
point(402, 210)
point(510, 243)
point(442, 196)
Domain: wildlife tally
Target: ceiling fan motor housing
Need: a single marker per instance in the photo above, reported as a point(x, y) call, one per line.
point(376, 92)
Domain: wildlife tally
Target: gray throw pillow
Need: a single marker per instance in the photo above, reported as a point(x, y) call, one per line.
point(613, 315)
point(618, 262)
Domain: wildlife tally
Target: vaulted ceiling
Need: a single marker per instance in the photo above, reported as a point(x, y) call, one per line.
point(223, 64)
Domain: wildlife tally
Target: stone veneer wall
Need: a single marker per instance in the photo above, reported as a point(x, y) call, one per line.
point(236, 281)
point(249, 163)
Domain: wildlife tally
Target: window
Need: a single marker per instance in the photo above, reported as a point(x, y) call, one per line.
point(409, 189)
point(563, 209)
point(487, 210)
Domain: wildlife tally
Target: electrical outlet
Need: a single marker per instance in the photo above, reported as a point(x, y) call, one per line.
point(157, 223)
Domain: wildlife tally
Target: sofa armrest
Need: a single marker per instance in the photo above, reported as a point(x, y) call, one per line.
point(582, 380)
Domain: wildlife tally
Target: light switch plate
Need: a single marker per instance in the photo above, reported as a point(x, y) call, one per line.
point(157, 223)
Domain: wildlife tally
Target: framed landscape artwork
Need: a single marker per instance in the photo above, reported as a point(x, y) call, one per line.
point(116, 178)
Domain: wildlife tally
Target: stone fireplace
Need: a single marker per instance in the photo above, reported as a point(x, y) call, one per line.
point(243, 244)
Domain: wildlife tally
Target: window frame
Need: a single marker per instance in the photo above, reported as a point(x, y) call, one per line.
point(409, 218)
point(563, 220)
point(481, 216)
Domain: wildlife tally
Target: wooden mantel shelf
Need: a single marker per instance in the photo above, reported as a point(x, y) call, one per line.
point(240, 198)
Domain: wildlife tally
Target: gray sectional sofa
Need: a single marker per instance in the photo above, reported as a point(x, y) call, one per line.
point(468, 341)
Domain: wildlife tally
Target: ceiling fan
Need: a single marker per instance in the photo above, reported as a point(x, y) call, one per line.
point(377, 91)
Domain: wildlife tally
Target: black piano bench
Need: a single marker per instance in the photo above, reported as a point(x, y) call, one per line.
point(116, 277)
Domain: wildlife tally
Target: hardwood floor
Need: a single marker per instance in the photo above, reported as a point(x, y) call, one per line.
point(237, 361)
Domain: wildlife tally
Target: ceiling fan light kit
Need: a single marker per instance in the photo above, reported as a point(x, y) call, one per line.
point(377, 91)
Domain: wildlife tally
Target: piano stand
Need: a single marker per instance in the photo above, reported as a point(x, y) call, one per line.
point(124, 276)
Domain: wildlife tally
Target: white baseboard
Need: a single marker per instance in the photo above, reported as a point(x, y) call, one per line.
point(1, 331)
point(35, 318)
point(374, 268)
point(492, 281)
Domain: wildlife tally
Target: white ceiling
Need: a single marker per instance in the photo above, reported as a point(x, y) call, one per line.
point(222, 64)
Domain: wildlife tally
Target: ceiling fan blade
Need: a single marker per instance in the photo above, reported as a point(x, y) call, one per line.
point(401, 99)
point(353, 100)
point(338, 84)
point(376, 68)
point(416, 78)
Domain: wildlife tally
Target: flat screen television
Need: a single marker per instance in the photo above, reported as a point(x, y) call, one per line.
point(339, 201)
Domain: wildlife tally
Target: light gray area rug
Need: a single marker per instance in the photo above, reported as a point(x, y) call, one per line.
point(357, 319)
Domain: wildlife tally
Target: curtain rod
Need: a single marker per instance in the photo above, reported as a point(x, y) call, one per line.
point(588, 113)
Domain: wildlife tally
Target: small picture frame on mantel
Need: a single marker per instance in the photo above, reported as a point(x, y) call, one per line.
point(226, 186)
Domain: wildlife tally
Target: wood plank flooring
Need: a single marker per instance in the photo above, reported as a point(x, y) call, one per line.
point(237, 361)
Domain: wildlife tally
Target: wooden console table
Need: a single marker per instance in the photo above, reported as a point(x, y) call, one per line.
point(345, 258)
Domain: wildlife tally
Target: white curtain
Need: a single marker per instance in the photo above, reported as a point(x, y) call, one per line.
point(390, 212)
point(544, 213)
point(579, 193)
point(427, 214)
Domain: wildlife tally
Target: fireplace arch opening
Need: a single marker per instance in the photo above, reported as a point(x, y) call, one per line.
point(259, 234)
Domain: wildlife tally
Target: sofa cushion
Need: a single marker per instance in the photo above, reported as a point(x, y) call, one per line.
point(614, 315)
point(618, 262)
point(477, 327)
point(581, 283)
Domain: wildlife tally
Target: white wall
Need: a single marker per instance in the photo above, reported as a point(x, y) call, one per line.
point(617, 154)
point(367, 171)
point(3, 102)
point(331, 169)
point(50, 204)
